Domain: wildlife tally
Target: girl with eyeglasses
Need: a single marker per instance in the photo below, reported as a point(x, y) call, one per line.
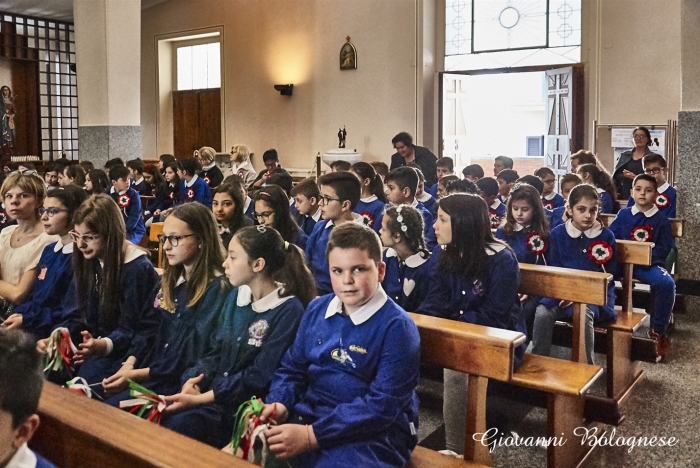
point(21, 245)
point(54, 272)
point(272, 210)
point(113, 283)
point(189, 301)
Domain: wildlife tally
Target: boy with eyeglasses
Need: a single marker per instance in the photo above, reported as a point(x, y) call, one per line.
point(340, 194)
point(655, 166)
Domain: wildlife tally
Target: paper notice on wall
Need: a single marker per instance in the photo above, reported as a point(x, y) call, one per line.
point(621, 140)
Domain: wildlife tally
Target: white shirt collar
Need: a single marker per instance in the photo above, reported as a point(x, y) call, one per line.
point(414, 203)
point(272, 300)
point(495, 204)
point(316, 216)
point(600, 190)
point(648, 213)
point(494, 248)
point(663, 188)
point(136, 182)
point(180, 280)
point(209, 166)
point(591, 233)
point(67, 249)
point(369, 199)
point(518, 227)
point(124, 191)
point(191, 182)
point(291, 201)
point(362, 314)
point(356, 218)
point(23, 458)
point(246, 203)
point(414, 261)
point(425, 197)
point(550, 196)
point(132, 253)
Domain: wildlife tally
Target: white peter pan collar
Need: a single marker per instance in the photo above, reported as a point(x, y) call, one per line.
point(356, 218)
point(246, 204)
point(494, 247)
point(518, 227)
point(369, 199)
point(272, 300)
point(591, 233)
point(191, 182)
point(316, 216)
point(132, 253)
point(23, 458)
point(66, 249)
point(414, 261)
point(496, 204)
point(362, 314)
point(550, 197)
point(600, 190)
point(136, 182)
point(209, 166)
point(425, 197)
point(648, 213)
point(663, 188)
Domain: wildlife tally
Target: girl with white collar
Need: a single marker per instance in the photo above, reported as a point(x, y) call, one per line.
point(241, 165)
point(582, 243)
point(258, 324)
point(211, 174)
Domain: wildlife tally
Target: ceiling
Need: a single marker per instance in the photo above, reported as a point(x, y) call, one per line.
point(61, 10)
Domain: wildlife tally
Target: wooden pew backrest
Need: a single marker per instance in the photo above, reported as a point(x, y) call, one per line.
point(157, 228)
point(676, 224)
point(546, 281)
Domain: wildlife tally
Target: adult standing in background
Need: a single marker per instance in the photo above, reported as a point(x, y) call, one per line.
point(241, 165)
point(408, 154)
point(630, 163)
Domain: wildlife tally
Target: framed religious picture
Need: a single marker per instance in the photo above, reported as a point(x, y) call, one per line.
point(348, 56)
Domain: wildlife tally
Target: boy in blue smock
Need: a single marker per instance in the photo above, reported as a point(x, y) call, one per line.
point(129, 203)
point(644, 222)
point(347, 385)
point(401, 189)
point(655, 166)
point(21, 379)
point(488, 189)
point(192, 187)
point(306, 200)
point(340, 194)
point(444, 166)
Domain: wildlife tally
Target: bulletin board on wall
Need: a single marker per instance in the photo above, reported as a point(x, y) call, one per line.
point(611, 140)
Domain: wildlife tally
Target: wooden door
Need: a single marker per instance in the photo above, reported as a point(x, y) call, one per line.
point(196, 121)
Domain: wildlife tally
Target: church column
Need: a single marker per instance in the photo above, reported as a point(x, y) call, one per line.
point(108, 56)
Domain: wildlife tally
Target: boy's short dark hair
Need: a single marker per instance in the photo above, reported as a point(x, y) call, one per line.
point(473, 170)
point(447, 180)
point(113, 163)
point(380, 168)
point(135, 165)
point(21, 376)
point(355, 236)
point(535, 181)
point(462, 186)
point(446, 162)
point(488, 185)
point(282, 179)
point(506, 161)
point(271, 155)
point(308, 188)
point(404, 176)
point(54, 168)
point(543, 172)
point(654, 158)
point(509, 175)
point(190, 165)
point(346, 185)
point(118, 172)
point(648, 178)
point(343, 166)
point(403, 137)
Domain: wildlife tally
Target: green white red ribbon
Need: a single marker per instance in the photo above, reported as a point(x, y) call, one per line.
point(144, 400)
point(80, 386)
point(248, 430)
point(59, 352)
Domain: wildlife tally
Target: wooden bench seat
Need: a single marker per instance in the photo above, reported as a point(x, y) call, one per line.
point(677, 224)
point(423, 457)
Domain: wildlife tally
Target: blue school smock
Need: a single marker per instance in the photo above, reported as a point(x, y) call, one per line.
point(518, 243)
point(306, 223)
point(628, 219)
point(665, 200)
point(433, 190)
point(129, 203)
point(570, 248)
point(497, 211)
point(137, 185)
point(553, 200)
point(244, 353)
point(492, 302)
point(607, 205)
point(43, 310)
point(197, 190)
point(164, 198)
point(428, 202)
point(428, 231)
point(555, 216)
point(353, 378)
point(404, 281)
point(301, 240)
point(249, 208)
point(371, 208)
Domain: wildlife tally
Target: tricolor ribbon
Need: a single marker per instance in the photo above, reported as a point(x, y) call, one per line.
point(80, 386)
point(145, 399)
point(59, 351)
point(248, 430)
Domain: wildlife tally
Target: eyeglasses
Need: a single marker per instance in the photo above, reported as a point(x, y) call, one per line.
point(174, 240)
point(548, 181)
point(326, 200)
point(27, 172)
point(639, 136)
point(264, 215)
point(52, 211)
point(653, 170)
point(89, 239)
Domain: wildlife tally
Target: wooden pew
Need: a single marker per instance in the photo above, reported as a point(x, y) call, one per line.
point(677, 224)
point(157, 228)
point(78, 432)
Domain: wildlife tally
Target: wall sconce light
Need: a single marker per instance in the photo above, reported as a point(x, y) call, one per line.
point(284, 89)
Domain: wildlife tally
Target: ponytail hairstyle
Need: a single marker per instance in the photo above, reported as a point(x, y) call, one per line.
point(238, 220)
point(99, 181)
point(471, 236)
point(101, 215)
point(70, 196)
point(528, 193)
point(410, 228)
point(207, 265)
point(600, 179)
point(365, 171)
point(276, 197)
point(284, 261)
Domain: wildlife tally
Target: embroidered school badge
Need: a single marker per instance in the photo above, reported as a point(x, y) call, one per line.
point(600, 252)
point(367, 219)
point(642, 233)
point(159, 302)
point(662, 200)
point(123, 201)
point(342, 356)
point(256, 332)
point(190, 194)
point(478, 288)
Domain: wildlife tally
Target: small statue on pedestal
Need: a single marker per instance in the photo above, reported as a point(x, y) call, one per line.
point(342, 134)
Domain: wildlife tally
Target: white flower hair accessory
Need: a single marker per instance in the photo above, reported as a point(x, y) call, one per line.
point(399, 219)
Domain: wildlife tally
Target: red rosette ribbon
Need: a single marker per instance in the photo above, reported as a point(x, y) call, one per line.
point(190, 194)
point(171, 196)
point(642, 233)
point(535, 243)
point(662, 200)
point(207, 180)
point(495, 220)
point(600, 252)
point(123, 201)
point(548, 205)
point(367, 218)
point(3, 217)
point(59, 352)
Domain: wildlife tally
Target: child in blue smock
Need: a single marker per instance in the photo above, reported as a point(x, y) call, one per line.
point(373, 200)
point(443, 167)
point(166, 198)
point(476, 280)
point(488, 189)
point(422, 196)
point(655, 166)
point(344, 395)
point(306, 195)
point(645, 223)
point(582, 243)
point(188, 299)
point(113, 282)
point(129, 203)
point(558, 216)
point(550, 198)
point(272, 210)
point(192, 187)
point(406, 256)
point(340, 193)
point(526, 231)
point(258, 324)
point(592, 174)
point(43, 309)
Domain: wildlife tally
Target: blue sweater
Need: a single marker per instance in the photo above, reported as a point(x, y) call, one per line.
point(129, 204)
point(372, 209)
point(630, 219)
point(164, 198)
point(352, 377)
point(199, 192)
point(665, 200)
point(404, 281)
point(553, 200)
point(518, 243)
point(497, 211)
